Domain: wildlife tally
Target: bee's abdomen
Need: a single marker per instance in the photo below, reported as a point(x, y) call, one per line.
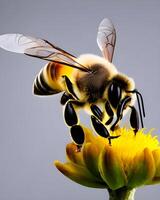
point(41, 87)
point(47, 82)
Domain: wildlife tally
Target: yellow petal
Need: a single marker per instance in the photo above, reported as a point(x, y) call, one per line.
point(73, 155)
point(79, 174)
point(111, 168)
point(90, 156)
point(89, 136)
point(156, 156)
point(142, 169)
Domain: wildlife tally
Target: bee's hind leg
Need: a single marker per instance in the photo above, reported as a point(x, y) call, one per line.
point(65, 97)
point(70, 114)
point(78, 136)
point(71, 120)
point(68, 99)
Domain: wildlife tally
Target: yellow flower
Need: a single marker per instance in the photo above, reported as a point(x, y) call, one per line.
point(129, 162)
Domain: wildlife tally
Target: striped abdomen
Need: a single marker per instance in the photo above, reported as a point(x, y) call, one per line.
point(49, 79)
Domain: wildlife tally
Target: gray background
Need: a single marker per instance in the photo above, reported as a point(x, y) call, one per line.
point(33, 133)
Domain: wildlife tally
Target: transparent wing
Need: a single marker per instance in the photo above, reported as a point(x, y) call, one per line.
point(39, 48)
point(106, 38)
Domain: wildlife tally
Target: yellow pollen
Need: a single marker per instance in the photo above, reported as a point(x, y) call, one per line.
point(128, 144)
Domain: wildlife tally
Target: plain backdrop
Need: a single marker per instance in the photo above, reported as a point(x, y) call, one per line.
point(33, 133)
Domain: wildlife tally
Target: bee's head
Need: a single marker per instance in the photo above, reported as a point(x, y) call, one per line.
point(122, 88)
point(124, 82)
point(117, 89)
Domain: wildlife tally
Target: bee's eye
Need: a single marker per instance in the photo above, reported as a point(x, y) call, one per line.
point(114, 94)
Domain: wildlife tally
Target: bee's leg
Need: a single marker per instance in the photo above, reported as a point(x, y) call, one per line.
point(134, 119)
point(70, 115)
point(109, 112)
point(101, 129)
point(122, 105)
point(65, 97)
point(97, 111)
point(71, 120)
point(69, 86)
point(78, 136)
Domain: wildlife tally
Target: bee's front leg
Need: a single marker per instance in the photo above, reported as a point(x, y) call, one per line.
point(134, 119)
point(120, 109)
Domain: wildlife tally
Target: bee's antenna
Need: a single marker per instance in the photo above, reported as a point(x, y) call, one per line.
point(140, 112)
point(140, 104)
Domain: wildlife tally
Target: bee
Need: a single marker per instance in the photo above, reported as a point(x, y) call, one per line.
point(89, 82)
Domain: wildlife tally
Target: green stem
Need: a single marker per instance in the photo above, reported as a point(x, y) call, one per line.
point(121, 194)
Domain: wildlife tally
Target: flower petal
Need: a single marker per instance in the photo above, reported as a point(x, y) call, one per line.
point(73, 155)
point(142, 170)
point(89, 136)
point(156, 156)
point(79, 174)
point(90, 155)
point(111, 168)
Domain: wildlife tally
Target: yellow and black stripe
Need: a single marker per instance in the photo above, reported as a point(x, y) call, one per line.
point(49, 79)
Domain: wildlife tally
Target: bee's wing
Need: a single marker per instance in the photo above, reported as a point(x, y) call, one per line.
point(39, 48)
point(106, 38)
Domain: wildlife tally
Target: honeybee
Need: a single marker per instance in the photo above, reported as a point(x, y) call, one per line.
point(89, 81)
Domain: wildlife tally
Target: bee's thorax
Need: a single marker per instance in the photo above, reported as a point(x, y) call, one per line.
point(94, 83)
